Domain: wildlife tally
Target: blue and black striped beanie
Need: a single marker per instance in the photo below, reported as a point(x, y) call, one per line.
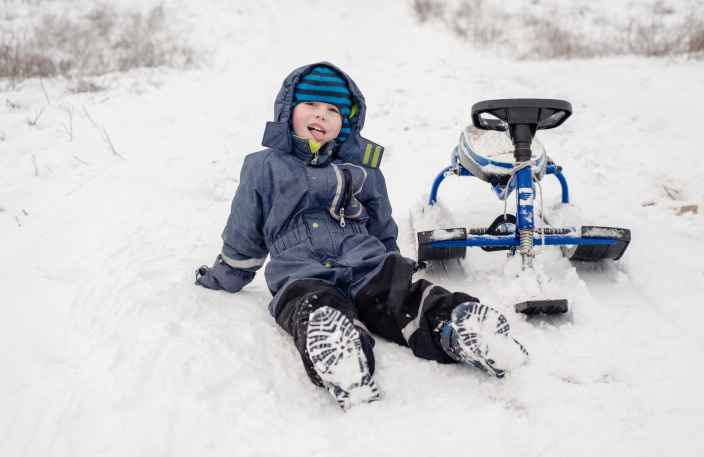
point(323, 84)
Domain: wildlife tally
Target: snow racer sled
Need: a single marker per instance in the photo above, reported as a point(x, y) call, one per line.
point(500, 148)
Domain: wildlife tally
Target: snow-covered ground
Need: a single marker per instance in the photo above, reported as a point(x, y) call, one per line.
point(107, 347)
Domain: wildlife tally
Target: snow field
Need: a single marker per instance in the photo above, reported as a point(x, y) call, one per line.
point(109, 349)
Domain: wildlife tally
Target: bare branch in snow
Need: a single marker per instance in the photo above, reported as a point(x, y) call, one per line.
point(12, 105)
point(109, 142)
point(36, 166)
point(89, 117)
point(46, 95)
point(78, 159)
point(33, 122)
point(674, 194)
point(103, 132)
point(68, 127)
point(684, 209)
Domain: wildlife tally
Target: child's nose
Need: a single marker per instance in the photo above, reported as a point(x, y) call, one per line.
point(320, 112)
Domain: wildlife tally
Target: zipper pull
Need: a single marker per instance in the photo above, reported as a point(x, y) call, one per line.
point(314, 147)
point(342, 218)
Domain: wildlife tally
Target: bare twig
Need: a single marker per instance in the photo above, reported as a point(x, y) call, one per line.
point(33, 122)
point(684, 209)
point(17, 219)
point(36, 166)
point(109, 141)
point(3, 137)
point(103, 133)
point(78, 159)
point(68, 128)
point(25, 212)
point(48, 101)
point(89, 117)
point(671, 192)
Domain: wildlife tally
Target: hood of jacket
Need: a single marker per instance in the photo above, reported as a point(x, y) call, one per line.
point(356, 149)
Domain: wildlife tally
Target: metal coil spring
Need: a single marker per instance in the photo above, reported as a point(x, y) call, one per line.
point(526, 237)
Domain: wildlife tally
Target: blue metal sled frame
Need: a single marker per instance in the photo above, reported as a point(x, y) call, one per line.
point(459, 170)
point(572, 238)
point(522, 182)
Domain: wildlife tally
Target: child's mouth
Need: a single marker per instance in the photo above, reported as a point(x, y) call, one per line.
point(317, 132)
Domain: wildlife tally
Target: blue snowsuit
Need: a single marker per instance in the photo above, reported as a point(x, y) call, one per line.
point(325, 221)
point(289, 206)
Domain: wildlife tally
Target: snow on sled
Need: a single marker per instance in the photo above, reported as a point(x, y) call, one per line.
point(500, 148)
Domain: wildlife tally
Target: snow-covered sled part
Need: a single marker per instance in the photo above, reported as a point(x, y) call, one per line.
point(500, 148)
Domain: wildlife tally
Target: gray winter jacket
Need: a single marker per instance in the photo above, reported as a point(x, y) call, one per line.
point(326, 217)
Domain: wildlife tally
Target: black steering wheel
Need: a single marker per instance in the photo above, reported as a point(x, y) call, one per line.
point(538, 113)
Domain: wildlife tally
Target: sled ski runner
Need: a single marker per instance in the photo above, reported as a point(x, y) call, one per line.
point(334, 346)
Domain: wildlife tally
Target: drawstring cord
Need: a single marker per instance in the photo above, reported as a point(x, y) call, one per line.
point(504, 195)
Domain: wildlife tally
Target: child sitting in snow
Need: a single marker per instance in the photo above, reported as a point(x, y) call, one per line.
point(315, 201)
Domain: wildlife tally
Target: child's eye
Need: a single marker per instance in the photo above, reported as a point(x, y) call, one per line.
point(334, 110)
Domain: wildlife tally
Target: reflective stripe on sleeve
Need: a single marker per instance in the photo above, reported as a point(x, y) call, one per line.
point(375, 160)
point(246, 263)
point(367, 154)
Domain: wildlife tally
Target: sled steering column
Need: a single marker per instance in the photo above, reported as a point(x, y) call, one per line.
point(522, 117)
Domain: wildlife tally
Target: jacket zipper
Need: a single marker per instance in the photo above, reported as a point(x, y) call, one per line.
point(346, 194)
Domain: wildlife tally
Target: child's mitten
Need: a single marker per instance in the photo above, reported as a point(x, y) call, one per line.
point(222, 276)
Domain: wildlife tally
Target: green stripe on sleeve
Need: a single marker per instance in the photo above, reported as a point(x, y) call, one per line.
point(367, 153)
point(375, 160)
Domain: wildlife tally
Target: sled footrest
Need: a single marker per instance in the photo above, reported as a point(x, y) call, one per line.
point(426, 239)
point(534, 307)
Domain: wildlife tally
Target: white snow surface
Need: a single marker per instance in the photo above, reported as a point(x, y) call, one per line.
point(446, 234)
point(108, 349)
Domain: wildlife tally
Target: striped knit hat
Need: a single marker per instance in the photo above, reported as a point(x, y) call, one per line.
point(323, 84)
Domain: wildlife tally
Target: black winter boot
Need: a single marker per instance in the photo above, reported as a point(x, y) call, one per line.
point(479, 335)
point(336, 348)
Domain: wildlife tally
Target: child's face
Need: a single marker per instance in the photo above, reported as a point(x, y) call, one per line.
point(317, 120)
